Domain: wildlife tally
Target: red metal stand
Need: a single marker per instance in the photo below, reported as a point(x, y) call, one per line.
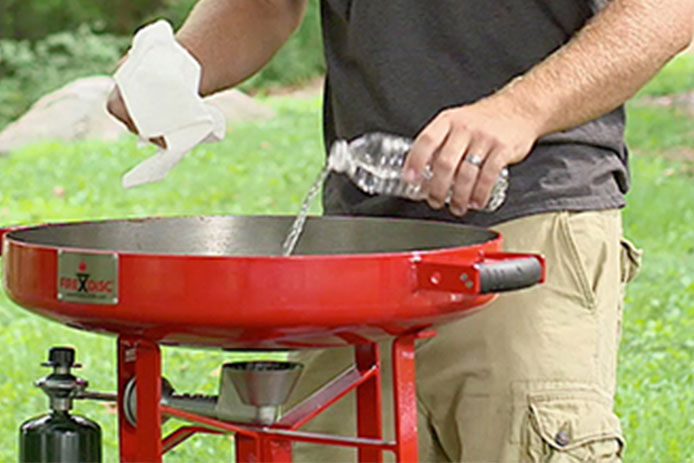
point(369, 420)
point(140, 359)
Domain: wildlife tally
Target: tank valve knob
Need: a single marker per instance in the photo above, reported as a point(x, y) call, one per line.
point(61, 386)
point(59, 435)
point(62, 358)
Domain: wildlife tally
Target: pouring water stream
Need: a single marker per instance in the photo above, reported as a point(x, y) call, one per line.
point(300, 220)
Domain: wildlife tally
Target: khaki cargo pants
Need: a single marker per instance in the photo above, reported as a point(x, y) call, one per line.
point(531, 377)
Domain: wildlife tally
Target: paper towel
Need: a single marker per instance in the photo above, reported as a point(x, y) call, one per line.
point(159, 83)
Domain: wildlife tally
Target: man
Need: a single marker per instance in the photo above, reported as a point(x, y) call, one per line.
point(536, 85)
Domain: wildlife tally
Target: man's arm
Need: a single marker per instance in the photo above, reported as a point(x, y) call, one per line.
point(605, 64)
point(609, 61)
point(232, 40)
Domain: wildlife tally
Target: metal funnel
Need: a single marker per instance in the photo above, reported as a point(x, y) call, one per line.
point(264, 385)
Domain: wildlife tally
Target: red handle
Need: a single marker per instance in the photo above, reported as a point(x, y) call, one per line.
point(490, 273)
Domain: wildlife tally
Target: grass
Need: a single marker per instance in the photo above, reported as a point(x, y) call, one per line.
point(265, 169)
point(655, 397)
point(659, 129)
point(257, 169)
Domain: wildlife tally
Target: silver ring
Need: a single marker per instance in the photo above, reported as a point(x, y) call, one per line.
point(474, 160)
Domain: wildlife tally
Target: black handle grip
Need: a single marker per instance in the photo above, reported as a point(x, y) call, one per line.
point(509, 275)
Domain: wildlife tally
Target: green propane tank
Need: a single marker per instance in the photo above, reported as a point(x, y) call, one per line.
point(58, 436)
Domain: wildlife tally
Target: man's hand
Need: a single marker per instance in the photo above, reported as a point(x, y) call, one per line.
point(466, 148)
point(231, 39)
point(116, 106)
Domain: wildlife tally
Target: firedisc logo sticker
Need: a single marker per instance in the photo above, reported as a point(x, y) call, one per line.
point(88, 278)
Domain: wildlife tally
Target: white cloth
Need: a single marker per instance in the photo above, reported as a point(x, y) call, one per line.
point(159, 83)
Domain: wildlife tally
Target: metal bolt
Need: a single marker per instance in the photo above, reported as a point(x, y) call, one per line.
point(435, 278)
point(468, 284)
point(562, 438)
point(463, 277)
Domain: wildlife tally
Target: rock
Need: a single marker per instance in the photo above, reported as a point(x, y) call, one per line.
point(78, 112)
point(238, 107)
point(74, 112)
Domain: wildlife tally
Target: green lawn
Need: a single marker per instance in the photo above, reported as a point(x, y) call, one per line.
point(266, 169)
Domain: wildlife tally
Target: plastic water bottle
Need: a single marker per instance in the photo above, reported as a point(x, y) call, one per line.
point(374, 162)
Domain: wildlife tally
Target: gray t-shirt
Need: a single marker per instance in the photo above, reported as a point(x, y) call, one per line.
point(394, 64)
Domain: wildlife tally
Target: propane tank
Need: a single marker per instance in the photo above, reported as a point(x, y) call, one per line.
point(58, 436)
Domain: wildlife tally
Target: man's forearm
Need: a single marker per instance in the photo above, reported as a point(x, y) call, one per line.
point(603, 65)
point(233, 39)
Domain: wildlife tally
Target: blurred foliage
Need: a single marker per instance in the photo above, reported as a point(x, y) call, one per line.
point(35, 19)
point(31, 68)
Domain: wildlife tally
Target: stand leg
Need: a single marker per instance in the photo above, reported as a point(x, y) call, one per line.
point(262, 449)
point(369, 415)
point(140, 359)
point(247, 449)
point(405, 399)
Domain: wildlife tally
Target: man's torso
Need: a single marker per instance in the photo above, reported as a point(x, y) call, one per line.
point(393, 65)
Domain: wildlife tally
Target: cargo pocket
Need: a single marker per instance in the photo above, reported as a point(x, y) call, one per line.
point(630, 264)
point(571, 427)
point(584, 253)
point(630, 260)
